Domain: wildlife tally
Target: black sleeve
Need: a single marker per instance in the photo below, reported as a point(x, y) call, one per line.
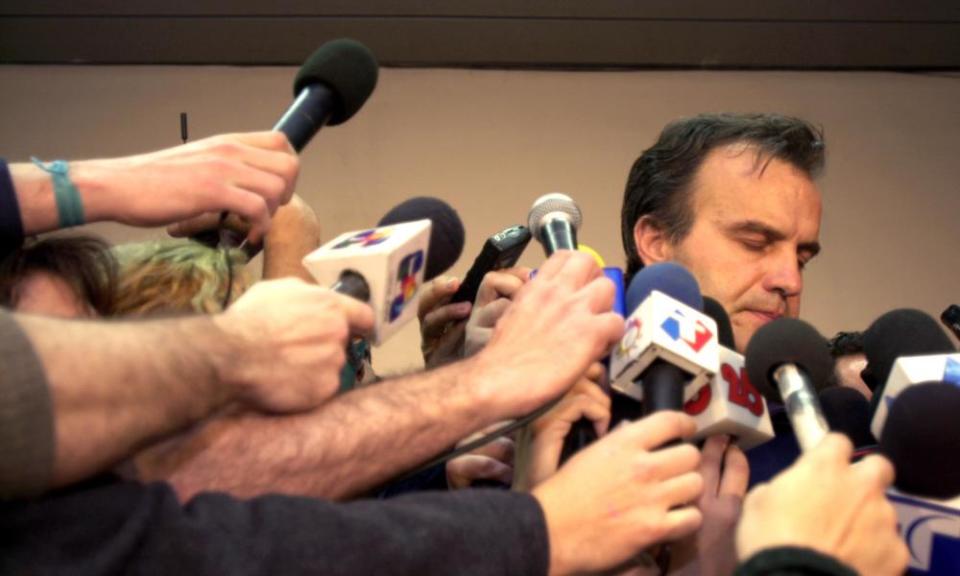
point(128, 528)
point(791, 561)
point(11, 226)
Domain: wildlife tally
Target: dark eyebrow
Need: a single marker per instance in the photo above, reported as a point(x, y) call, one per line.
point(771, 235)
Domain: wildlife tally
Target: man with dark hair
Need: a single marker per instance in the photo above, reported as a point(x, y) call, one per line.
point(732, 198)
point(847, 351)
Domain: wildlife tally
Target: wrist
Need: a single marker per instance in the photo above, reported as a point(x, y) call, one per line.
point(89, 178)
point(491, 387)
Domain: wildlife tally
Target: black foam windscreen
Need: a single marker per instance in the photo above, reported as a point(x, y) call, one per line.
point(922, 439)
point(848, 412)
point(345, 66)
point(903, 332)
point(446, 233)
point(787, 341)
point(715, 310)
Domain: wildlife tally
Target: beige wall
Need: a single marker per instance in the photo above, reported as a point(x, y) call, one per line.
point(489, 142)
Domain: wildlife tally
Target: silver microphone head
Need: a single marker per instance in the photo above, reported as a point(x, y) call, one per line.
point(551, 206)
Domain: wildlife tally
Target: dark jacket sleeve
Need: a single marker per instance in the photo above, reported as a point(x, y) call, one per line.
point(26, 415)
point(11, 226)
point(790, 561)
point(129, 528)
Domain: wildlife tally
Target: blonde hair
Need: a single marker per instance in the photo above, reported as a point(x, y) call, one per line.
point(164, 276)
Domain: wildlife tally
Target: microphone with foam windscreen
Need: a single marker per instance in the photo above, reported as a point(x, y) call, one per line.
point(331, 86)
point(789, 361)
point(669, 349)
point(420, 239)
point(554, 220)
point(848, 412)
point(729, 403)
point(904, 347)
point(921, 438)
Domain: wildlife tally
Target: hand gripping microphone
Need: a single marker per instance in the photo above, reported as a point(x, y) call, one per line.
point(669, 349)
point(386, 266)
point(789, 361)
point(554, 220)
point(729, 403)
point(331, 86)
point(904, 347)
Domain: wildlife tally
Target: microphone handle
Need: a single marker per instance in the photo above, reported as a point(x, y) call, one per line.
point(662, 387)
point(802, 406)
point(558, 234)
point(352, 283)
point(581, 435)
point(312, 109)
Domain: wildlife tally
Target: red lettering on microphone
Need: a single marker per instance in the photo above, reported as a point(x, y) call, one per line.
point(742, 392)
point(699, 402)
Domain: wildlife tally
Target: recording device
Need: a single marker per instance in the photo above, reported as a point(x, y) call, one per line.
point(904, 347)
point(389, 264)
point(502, 250)
point(729, 403)
point(951, 319)
point(669, 349)
point(789, 361)
point(554, 220)
point(921, 437)
point(331, 86)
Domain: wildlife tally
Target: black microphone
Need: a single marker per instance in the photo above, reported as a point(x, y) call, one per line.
point(788, 361)
point(922, 439)
point(901, 332)
point(715, 310)
point(951, 319)
point(446, 235)
point(331, 86)
point(848, 412)
point(554, 220)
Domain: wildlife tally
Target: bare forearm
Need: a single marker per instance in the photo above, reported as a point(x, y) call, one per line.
point(116, 386)
point(346, 447)
point(295, 232)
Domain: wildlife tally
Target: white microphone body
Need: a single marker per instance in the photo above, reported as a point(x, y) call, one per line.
point(931, 530)
point(662, 328)
point(730, 404)
point(910, 370)
point(391, 259)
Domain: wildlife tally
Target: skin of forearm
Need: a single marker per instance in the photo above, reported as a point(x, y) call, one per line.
point(117, 386)
point(348, 446)
point(295, 232)
point(35, 196)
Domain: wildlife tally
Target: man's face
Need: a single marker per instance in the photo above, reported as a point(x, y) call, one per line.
point(754, 230)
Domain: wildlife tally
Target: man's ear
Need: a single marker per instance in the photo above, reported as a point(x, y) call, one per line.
point(651, 241)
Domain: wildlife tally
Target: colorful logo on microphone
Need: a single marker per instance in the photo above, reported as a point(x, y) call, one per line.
point(365, 239)
point(951, 371)
point(693, 332)
point(405, 283)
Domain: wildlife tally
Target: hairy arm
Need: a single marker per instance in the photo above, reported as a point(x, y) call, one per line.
point(344, 448)
point(115, 386)
point(365, 437)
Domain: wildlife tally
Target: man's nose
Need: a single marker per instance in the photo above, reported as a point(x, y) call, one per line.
point(784, 274)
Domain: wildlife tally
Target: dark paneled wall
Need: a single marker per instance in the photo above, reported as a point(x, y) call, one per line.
point(765, 34)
